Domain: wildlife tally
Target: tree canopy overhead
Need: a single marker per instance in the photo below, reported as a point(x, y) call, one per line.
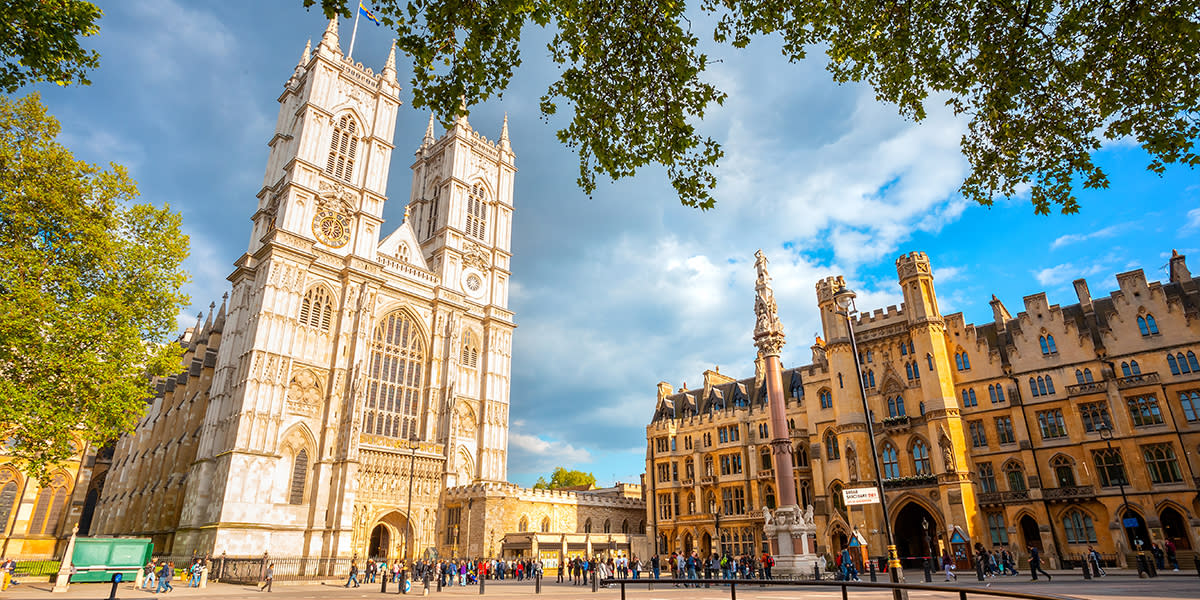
point(89, 292)
point(562, 478)
point(1043, 83)
point(39, 42)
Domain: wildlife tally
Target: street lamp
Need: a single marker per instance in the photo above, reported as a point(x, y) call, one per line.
point(716, 512)
point(928, 551)
point(844, 298)
point(412, 463)
point(1106, 434)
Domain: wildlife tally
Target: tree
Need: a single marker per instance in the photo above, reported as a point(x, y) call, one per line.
point(562, 478)
point(1043, 82)
point(40, 42)
point(89, 293)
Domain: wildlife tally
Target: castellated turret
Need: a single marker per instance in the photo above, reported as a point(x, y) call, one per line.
point(916, 281)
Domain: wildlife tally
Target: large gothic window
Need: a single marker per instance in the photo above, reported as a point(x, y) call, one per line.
point(299, 478)
point(395, 377)
point(8, 499)
point(343, 148)
point(476, 212)
point(316, 309)
point(49, 504)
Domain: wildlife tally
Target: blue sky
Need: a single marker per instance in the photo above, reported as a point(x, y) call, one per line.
point(617, 292)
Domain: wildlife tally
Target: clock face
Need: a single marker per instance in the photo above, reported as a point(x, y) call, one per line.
point(331, 228)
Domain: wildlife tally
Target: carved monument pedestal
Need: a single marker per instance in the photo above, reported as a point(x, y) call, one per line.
point(793, 532)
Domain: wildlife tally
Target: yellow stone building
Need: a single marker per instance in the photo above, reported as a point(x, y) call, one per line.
point(1031, 429)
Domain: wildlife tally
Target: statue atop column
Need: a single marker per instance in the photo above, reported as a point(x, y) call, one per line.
point(768, 330)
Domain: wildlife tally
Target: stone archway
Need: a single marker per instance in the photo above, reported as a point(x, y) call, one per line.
point(706, 545)
point(1029, 532)
point(687, 544)
point(1137, 532)
point(1175, 528)
point(915, 541)
point(380, 542)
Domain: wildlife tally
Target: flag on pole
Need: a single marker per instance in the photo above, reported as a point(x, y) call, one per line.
point(362, 10)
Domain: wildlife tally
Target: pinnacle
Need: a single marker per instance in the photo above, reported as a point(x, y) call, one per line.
point(389, 68)
point(307, 53)
point(329, 41)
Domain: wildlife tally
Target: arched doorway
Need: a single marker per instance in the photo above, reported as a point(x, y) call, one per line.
point(687, 543)
point(914, 540)
point(1030, 534)
point(837, 541)
point(1136, 533)
point(706, 547)
point(379, 546)
point(1175, 528)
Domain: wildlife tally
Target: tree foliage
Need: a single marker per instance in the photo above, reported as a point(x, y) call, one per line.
point(89, 292)
point(562, 478)
point(1043, 83)
point(39, 42)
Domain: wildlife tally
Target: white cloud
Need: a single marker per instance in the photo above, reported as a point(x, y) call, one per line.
point(1074, 238)
point(1062, 273)
point(539, 454)
point(1193, 221)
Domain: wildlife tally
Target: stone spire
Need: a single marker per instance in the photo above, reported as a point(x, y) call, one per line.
point(196, 331)
point(219, 324)
point(304, 58)
point(768, 330)
point(329, 41)
point(428, 139)
point(389, 68)
point(504, 143)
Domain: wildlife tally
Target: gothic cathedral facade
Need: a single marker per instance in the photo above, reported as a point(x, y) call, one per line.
point(360, 373)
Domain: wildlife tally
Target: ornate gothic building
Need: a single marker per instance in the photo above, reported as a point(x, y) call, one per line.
point(1034, 428)
point(348, 356)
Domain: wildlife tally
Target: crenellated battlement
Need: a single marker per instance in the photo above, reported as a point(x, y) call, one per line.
point(511, 490)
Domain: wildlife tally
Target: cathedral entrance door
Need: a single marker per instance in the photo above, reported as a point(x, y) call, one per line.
point(1175, 528)
point(1029, 532)
point(913, 541)
point(380, 536)
point(706, 547)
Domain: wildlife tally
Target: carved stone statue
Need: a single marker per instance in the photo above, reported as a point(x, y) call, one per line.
point(808, 515)
point(767, 516)
point(947, 454)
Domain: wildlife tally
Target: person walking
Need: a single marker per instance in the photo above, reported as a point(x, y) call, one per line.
point(268, 577)
point(353, 574)
point(655, 566)
point(150, 576)
point(1035, 563)
point(948, 564)
point(1094, 558)
point(1172, 558)
point(164, 578)
point(768, 561)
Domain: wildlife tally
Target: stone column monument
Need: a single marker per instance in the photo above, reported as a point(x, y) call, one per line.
point(788, 527)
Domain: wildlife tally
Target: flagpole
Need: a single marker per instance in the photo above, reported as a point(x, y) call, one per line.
point(353, 34)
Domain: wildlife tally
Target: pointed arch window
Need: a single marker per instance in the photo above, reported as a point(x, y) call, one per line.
point(545, 524)
point(896, 406)
point(1078, 376)
point(343, 149)
point(1049, 385)
point(1134, 368)
point(826, 398)
point(1014, 473)
point(908, 371)
point(8, 499)
point(1087, 376)
point(1162, 464)
point(1173, 364)
point(1064, 472)
point(1109, 467)
point(1079, 527)
point(316, 309)
point(1125, 369)
point(891, 462)
point(523, 525)
point(831, 446)
point(987, 478)
point(802, 454)
point(1191, 361)
point(48, 506)
point(1190, 400)
point(299, 478)
point(395, 376)
point(1147, 325)
point(920, 454)
point(477, 212)
point(470, 351)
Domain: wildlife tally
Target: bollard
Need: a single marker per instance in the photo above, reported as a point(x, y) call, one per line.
point(928, 571)
point(482, 580)
point(441, 576)
point(871, 570)
point(425, 578)
point(732, 590)
point(537, 583)
point(1087, 573)
point(116, 579)
point(595, 588)
point(817, 572)
point(1141, 566)
point(383, 584)
point(1152, 566)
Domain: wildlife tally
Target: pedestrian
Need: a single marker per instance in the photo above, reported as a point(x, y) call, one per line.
point(655, 567)
point(1035, 563)
point(1158, 553)
point(1094, 558)
point(948, 564)
point(164, 578)
point(1172, 558)
point(150, 577)
point(768, 561)
point(353, 574)
point(268, 577)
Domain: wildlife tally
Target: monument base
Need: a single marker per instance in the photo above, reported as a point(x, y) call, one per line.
point(791, 528)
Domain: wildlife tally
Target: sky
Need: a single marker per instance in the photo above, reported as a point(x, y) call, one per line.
point(617, 292)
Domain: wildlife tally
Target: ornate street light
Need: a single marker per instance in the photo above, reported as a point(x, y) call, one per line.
point(1106, 434)
point(844, 298)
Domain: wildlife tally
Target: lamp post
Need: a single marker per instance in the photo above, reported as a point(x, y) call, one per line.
point(844, 298)
point(716, 512)
point(1106, 434)
point(412, 463)
point(928, 551)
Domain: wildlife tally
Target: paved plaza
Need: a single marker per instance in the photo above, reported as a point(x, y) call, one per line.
point(1174, 585)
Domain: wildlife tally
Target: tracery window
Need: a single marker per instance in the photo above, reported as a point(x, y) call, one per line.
point(49, 505)
point(1143, 410)
point(1015, 474)
point(920, 454)
point(1079, 527)
point(987, 477)
point(470, 352)
point(8, 499)
point(395, 377)
point(831, 446)
point(896, 406)
point(1109, 467)
point(1063, 471)
point(1160, 460)
point(891, 462)
point(343, 148)
point(299, 478)
point(316, 309)
point(1147, 325)
point(1047, 343)
point(1190, 401)
point(477, 212)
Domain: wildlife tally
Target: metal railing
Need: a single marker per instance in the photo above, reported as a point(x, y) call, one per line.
point(845, 586)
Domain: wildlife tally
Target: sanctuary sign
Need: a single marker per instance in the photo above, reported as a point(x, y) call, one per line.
point(857, 496)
